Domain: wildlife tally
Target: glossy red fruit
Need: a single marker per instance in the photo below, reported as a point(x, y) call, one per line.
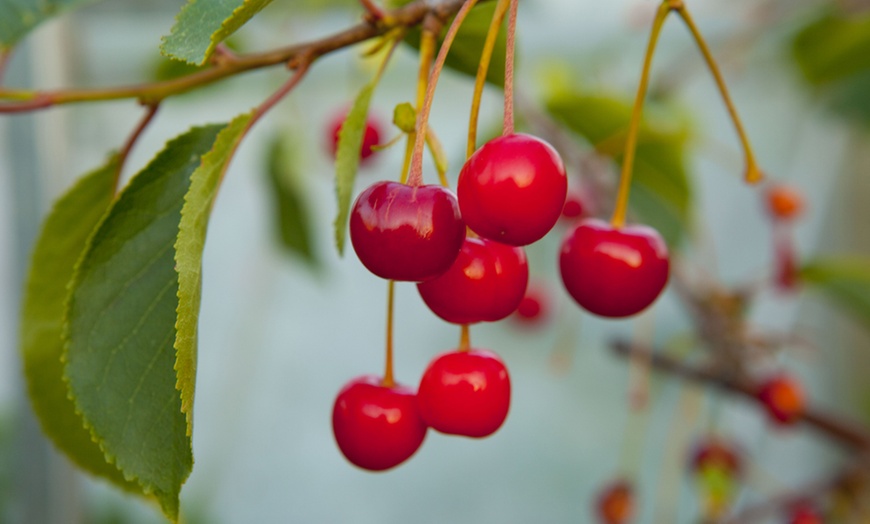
point(485, 283)
point(371, 136)
point(512, 189)
point(535, 306)
point(465, 393)
point(714, 452)
point(377, 427)
point(613, 272)
point(784, 202)
point(783, 398)
point(615, 504)
point(573, 207)
point(403, 232)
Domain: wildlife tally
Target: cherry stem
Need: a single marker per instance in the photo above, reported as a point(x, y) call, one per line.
point(131, 141)
point(618, 219)
point(388, 380)
point(482, 69)
point(416, 176)
point(508, 127)
point(753, 173)
point(431, 27)
point(464, 338)
point(375, 13)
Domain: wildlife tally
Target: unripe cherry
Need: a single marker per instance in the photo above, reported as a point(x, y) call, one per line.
point(615, 503)
point(783, 398)
point(784, 202)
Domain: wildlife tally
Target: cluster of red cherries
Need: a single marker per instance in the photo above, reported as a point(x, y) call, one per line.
point(465, 253)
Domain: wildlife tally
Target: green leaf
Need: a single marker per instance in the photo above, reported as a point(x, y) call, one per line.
point(203, 24)
point(188, 254)
point(661, 194)
point(347, 156)
point(60, 244)
point(845, 281)
point(19, 17)
point(120, 326)
point(290, 202)
point(464, 55)
point(833, 47)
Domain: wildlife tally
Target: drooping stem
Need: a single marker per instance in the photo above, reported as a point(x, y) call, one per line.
point(5, 58)
point(416, 176)
point(131, 141)
point(431, 26)
point(508, 127)
point(618, 219)
point(464, 338)
point(753, 173)
point(388, 380)
point(482, 70)
point(375, 13)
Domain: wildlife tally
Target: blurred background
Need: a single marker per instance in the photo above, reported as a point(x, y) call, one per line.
point(281, 332)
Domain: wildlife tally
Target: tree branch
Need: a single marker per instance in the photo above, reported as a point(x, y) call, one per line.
point(410, 15)
point(847, 432)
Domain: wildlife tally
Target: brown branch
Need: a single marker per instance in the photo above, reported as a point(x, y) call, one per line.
point(5, 58)
point(847, 432)
point(410, 15)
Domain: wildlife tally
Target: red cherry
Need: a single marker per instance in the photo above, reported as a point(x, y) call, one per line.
point(783, 398)
point(403, 232)
point(485, 283)
point(613, 272)
point(615, 503)
point(371, 136)
point(784, 202)
point(805, 514)
point(714, 452)
point(465, 393)
point(573, 207)
point(512, 189)
point(534, 308)
point(377, 427)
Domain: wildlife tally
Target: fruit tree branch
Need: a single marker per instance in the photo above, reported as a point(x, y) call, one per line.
point(845, 431)
point(152, 93)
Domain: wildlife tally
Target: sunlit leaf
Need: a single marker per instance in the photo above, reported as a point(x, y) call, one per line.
point(203, 24)
point(661, 194)
point(844, 281)
point(189, 247)
point(61, 242)
point(287, 190)
point(347, 157)
point(120, 326)
point(833, 46)
point(18, 17)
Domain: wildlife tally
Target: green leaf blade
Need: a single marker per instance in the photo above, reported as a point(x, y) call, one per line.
point(60, 244)
point(293, 217)
point(120, 326)
point(844, 281)
point(189, 247)
point(19, 17)
point(203, 24)
point(347, 157)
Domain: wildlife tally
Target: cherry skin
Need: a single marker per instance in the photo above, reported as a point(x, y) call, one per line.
point(534, 308)
point(714, 452)
point(615, 504)
point(465, 393)
point(783, 398)
point(512, 189)
point(804, 514)
point(485, 283)
point(784, 202)
point(573, 208)
point(371, 136)
point(613, 272)
point(377, 427)
point(408, 233)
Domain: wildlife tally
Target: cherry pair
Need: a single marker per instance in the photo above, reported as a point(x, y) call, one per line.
point(378, 426)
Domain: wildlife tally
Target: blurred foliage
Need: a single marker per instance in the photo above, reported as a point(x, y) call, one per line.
point(832, 52)
point(844, 281)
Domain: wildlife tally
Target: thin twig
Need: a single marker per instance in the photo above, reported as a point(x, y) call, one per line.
point(5, 58)
point(131, 141)
point(150, 93)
